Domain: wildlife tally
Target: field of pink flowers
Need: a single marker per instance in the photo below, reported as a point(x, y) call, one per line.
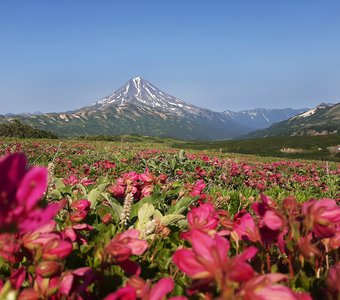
point(112, 221)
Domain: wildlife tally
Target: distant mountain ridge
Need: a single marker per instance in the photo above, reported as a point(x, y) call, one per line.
point(139, 107)
point(259, 118)
point(323, 119)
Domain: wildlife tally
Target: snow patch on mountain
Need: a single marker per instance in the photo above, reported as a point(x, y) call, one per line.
point(307, 113)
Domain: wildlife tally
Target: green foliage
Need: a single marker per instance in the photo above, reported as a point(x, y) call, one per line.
point(19, 130)
point(313, 147)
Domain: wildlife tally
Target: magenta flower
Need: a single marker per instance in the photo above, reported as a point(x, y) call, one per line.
point(123, 246)
point(118, 191)
point(47, 287)
point(81, 205)
point(266, 287)
point(238, 269)
point(76, 282)
point(333, 280)
point(10, 247)
point(322, 216)
point(206, 259)
point(125, 293)
point(160, 289)
point(272, 224)
point(138, 288)
point(20, 192)
point(47, 269)
point(245, 227)
point(17, 277)
point(126, 244)
point(40, 237)
point(56, 249)
point(78, 216)
point(204, 218)
point(147, 177)
point(334, 242)
point(29, 294)
point(197, 188)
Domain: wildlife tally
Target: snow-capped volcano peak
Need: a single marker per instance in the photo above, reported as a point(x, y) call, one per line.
point(141, 92)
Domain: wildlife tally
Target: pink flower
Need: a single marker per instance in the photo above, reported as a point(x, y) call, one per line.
point(20, 192)
point(81, 205)
point(306, 248)
point(272, 225)
point(245, 227)
point(322, 216)
point(138, 288)
point(87, 182)
point(146, 191)
point(333, 279)
point(76, 281)
point(71, 180)
point(197, 188)
point(334, 242)
point(123, 246)
point(265, 287)
point(206, 259)
point(160, 289)
point(56, 249)
point(40, 236)
point(47, 286)
point(78, 216)
point(10, 247)
point(239, 269)
point(118, 191)
point(204, 218)
point(29, 294)
point(126, 242)
point(125, 293)
point(47, 269)
point(147, 177)
point(18, 277)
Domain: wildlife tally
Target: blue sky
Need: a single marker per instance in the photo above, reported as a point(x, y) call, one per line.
point(61, 55)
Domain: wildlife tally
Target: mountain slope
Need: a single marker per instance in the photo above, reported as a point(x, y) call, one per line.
point(139, 107)
point(260, 118)
point(322, 120)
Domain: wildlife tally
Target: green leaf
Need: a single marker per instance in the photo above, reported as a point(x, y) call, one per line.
point(102, 187)
point(154, 199)
point(181, 205)
point(93, 197)
point(171, 219)
point(157, 214)
point(181, 155)
point(117, 209)
point(83, 189)
point(55, 195)
point(145, 212)
point(85, 248)
point(59, 183)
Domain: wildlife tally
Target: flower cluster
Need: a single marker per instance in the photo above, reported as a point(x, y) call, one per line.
point(150, 224)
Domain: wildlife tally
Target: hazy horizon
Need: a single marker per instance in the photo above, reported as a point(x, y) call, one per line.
point(221, 55)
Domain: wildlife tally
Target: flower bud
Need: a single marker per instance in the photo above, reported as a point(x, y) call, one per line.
point(307, 249)
point(81, 205)
point(106, 219)
point(56, 249)
point(47, 269)
point(78, 216)
point(29, 294)
point(290, 204)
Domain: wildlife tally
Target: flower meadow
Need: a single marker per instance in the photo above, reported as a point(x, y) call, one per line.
point(101, 220)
